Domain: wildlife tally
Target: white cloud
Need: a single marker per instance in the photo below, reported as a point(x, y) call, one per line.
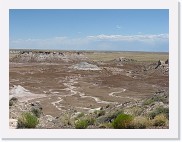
point(130, 37)
point(106, 42)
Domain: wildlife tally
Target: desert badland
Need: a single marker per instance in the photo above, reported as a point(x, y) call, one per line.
point(65, 88)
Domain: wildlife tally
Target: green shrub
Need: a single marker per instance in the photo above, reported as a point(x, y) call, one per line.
point(122, 121)
point(81, 124)
point(160, 120)
point(27, 120)
point(90, 120)
point(37, 112)
point(159, 110)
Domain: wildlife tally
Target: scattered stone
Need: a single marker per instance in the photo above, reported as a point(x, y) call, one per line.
point(13, 123)
point(167, 61)
point(163, 64)
point(123, 59)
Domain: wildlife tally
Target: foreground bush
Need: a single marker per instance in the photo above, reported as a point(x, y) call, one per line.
point(100, 113)
point(159, 110)
point(91, 120)
point(66, 120)
point(37, 112)
point(27, 120)
point(80, 115)
point(122, 121)
point(134, 111)
point(106, 126)
point(81, 124)
point(140, 122)
point(160, 120)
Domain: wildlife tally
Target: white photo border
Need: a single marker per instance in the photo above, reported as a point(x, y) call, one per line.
point(171, 133)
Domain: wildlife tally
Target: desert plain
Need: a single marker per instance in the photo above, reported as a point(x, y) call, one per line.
point(69, 86)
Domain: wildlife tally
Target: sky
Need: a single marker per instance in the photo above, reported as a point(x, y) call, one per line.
point(90, 29)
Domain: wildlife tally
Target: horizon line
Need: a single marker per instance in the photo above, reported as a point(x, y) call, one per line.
point(90, 50)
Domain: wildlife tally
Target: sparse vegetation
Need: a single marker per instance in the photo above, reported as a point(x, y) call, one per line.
point(160, 120)
point(90, 120)
point(140, 122)
point(159, 110)
point(100, 112)
point(135, 111)
point(81, 124)
point(109, 117)
point(37, 112)
point(106, 125)
point(80, 115)
point(27, 120)
point(156, 98)
point(66, 120)
point(136, 56)
point(122, 121)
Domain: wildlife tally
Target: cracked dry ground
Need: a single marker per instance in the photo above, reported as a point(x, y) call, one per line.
point(64, 89)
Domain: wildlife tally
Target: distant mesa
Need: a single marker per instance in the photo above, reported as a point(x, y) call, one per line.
point(46, 56)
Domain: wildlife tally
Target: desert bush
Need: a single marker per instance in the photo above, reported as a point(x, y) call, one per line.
point(156, 98)
point(12, 101)
point(66, 120)
point(148, 101)
point(36, 111)
point(27, 120)
point(80, 115)
point(100, 113)
point(81, 124)
point(122, 121)
point(91, 120)
point(106, 126)
point(160, 120)
point(140, 122)
point(135, 111)
point(109, 117)
point(159, 110)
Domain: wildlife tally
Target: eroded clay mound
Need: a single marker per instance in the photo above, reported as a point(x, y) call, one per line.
point(85, 66)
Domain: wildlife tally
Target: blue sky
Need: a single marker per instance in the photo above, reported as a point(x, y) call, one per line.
point(119, 30)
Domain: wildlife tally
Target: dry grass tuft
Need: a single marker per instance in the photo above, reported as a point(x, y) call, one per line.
point(140, 122)
point(160, 120)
